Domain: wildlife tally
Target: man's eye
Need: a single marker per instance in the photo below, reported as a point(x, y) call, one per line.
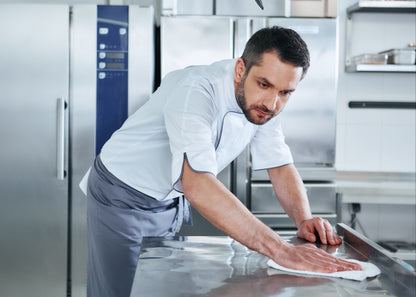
point(262, 85)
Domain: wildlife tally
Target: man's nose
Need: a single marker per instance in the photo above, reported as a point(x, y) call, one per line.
point(271, 102)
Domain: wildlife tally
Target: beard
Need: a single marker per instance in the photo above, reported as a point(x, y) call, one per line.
point(250, 112)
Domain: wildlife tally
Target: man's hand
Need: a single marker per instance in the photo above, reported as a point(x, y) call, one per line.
point(310, 229)
point(310, 258)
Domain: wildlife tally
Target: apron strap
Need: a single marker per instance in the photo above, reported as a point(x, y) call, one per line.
point(184, 214)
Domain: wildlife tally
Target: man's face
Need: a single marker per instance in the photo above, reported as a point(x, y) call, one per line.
point(264, 91)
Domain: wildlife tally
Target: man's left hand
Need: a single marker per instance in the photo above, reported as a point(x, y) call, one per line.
point(309, 229)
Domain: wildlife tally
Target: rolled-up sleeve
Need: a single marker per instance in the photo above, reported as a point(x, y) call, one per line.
point(268, 147)
point(189, 118)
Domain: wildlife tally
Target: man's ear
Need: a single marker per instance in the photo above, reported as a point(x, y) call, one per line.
point(240, 68)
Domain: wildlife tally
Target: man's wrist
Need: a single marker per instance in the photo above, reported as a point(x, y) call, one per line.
point(300, 222)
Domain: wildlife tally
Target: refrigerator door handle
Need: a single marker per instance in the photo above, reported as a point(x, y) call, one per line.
point(60, 138)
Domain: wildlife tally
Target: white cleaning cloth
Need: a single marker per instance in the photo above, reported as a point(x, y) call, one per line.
point(369, 270)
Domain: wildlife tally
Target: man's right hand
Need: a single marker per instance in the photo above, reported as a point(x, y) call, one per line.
point(308, 257)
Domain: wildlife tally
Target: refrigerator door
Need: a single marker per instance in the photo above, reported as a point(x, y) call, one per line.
point(194, 41)
point(33, 127)
point(82, 133)
point(197, 41)
point(203, 40)
point(83, 109)
point(309, 119)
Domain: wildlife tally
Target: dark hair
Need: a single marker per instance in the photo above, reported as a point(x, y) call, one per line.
point(286, 43)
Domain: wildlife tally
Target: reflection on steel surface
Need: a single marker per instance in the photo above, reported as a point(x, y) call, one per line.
point(220, 266)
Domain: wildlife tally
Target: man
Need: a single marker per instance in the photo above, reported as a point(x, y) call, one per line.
point(193, 126)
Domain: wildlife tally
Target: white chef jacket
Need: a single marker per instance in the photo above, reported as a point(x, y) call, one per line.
point(193, 114)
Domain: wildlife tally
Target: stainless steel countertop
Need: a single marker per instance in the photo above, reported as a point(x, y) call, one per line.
point(220, 266)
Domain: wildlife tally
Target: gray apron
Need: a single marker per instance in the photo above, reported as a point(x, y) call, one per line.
point(118, 217)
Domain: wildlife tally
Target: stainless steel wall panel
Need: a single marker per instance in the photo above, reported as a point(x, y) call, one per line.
point(34, 73)
point(82, 132)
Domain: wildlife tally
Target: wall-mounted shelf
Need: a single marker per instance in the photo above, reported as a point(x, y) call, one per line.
point(377, 6)
point(380, 68)
point(382, 6)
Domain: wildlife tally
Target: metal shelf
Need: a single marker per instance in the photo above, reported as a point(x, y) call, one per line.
point(382, 6)
point(377, 6)
point(380, 68)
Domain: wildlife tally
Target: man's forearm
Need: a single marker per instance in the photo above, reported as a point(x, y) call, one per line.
point(219, 206)
point(291, 192)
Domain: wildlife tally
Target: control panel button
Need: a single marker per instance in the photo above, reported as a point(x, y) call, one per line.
point(103, 31)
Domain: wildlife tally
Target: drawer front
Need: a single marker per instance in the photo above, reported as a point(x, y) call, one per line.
point(322, 198)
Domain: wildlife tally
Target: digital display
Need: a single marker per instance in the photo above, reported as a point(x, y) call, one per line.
point(114, 55)
point(114, 66)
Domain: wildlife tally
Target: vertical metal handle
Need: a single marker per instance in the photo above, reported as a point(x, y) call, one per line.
point(288, 8)
point(60, 138)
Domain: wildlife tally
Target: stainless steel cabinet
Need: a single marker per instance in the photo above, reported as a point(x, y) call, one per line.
point(48, 98)
point(83, 88)
point(34, 82)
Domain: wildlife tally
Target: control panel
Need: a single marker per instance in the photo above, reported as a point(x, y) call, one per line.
point(112, 71)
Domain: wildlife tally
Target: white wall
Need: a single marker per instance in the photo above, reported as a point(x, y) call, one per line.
point(385, 221)
point(375, 139)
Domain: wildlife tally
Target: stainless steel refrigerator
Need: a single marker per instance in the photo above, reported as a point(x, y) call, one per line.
point(308, 120)
point(70, 75)
point(309, 125)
